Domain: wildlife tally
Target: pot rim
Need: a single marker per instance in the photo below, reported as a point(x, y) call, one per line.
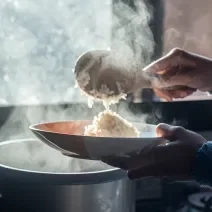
point(73, 178)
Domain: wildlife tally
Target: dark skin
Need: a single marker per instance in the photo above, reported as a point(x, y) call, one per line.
point(189, 71)
point(175, 159)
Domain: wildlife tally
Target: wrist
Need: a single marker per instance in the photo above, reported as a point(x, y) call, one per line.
point(202, 165)
point(209, 92)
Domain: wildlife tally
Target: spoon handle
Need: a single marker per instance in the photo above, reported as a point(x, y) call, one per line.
point(143, 80)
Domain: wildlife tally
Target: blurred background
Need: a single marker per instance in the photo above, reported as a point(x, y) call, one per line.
point(186, 25)
point(41, 39)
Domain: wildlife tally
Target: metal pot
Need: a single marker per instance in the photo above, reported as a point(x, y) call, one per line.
point(34, 177)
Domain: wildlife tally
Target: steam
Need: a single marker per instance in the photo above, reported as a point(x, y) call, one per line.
point(132, 36)
point(40, 42)
point(34, 156)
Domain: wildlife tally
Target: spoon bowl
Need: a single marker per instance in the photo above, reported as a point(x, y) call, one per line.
point(103, 74)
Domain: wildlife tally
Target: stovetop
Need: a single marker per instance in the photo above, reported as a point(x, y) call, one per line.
point(174, 198)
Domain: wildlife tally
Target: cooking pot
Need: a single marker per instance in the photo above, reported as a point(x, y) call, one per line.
point(34, 177)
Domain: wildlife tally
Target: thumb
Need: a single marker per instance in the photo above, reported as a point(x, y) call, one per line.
point(173, 132)
point(174, 58)
point(164, 130)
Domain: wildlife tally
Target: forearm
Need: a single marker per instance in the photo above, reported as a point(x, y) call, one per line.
point(202, 170)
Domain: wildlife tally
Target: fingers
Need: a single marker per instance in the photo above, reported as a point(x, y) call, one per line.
point(169, 95)
point(174, 58)
point(146, 171)
point(169, 160)
point(133, 160)
point(164, 130)
point(157, 171)
point(147, 155)
point(116, 161)
point(179, 68)
point(164, 94)
point(157, 163)
point(161, 161)
point(174, 132)
point(174, 69)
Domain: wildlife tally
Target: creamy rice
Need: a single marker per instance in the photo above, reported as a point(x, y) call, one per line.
point(110, 124)
point(104, 93)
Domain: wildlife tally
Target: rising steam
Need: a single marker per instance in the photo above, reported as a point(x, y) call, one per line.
point(40, 41)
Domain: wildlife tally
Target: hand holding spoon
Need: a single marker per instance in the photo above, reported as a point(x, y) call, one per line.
point(106, 75)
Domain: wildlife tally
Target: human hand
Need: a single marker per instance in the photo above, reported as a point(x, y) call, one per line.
point(189, 71)
point(173, 160)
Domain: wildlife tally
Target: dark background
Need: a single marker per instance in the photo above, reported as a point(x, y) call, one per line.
point(181, 24)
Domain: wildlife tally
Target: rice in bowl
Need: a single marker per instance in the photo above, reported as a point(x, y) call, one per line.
point(110, 124)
